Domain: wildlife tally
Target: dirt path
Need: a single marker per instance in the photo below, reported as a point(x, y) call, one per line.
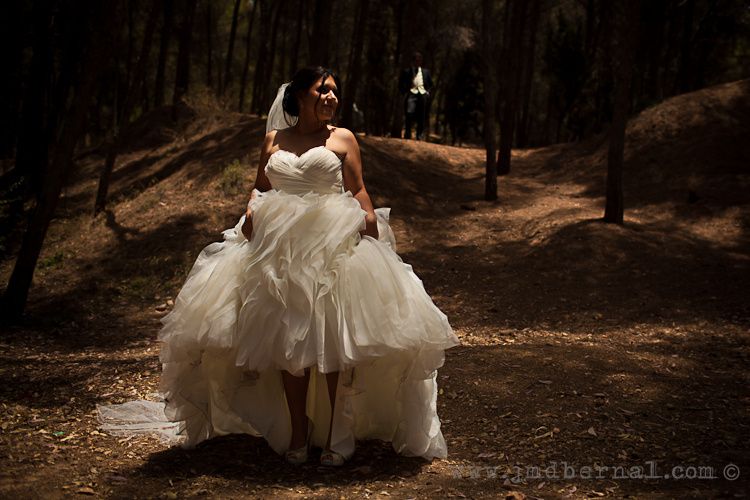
point(586, 347)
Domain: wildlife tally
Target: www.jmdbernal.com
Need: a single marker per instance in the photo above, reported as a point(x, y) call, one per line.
point(562, 470)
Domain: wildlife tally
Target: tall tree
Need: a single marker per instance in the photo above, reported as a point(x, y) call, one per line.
point(377, 68)
point(512, 81)
point(355, 62)
point(31, 160)
point(400, 8)
point(655, 13)
point(320, 40)
point(98, 18)
point(248, 46)
point(294, 53)
point(684, 73)
point(281, 72)
point(266, 19)
point(182, 75)
point(164, 40)
point(210, 45)
point(131, 98)
point(527, 78)
point(132, 8)
point(601, 60)
point(13, 36)
point(230, 50)
point(624, 35)
point(490, 179)
point(265, 89)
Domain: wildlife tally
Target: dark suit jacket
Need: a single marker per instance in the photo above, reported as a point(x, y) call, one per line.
point(407, 76)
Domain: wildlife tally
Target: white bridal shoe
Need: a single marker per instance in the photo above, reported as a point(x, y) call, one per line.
point(331, 458)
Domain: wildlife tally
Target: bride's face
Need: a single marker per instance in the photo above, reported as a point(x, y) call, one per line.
point(321, 99)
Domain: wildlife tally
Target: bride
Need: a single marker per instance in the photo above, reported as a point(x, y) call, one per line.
point(303, 326)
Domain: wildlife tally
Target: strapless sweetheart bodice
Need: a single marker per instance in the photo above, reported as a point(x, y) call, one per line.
point(317, 170)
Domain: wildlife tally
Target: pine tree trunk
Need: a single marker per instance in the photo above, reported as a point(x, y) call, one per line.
point(209, 46)
point(512, 85)
point(166, 35)
point(182, 74)
point(685, 69)
point(16, 293)
point(246, 64)
point(132, 8)
point(145, 101)
point(377, 91)
point(321, 33)
point(355, 63)
point(268, 74)
point(656, 50)
point(396, 107)
point(588, 37)
point(294, 54)
point(625, 30)
point(488, 129)
point(131, 98)
point(31, 160)
point(603, 95)
point(527, 83)
point(266, 18)
point(281, 72)
point(230, 50)
point(11, 86)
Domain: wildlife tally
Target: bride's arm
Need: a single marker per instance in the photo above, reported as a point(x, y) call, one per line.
point(261, 181)
point(353, 181)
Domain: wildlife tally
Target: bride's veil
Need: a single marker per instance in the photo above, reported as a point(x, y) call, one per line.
point(140, 417)
point(277, 118)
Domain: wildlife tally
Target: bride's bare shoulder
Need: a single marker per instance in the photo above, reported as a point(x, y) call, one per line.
point(270, 141)
point(344, 136)
point(343, 142)
point(341, 132)
point(271, 136)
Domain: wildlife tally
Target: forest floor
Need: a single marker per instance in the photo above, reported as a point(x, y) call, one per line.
point(597, 360)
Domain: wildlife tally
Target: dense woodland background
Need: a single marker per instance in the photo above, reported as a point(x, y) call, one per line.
point(130, 133)
point(508, 74)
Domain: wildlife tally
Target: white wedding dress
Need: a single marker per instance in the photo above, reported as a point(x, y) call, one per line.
point(305, 291)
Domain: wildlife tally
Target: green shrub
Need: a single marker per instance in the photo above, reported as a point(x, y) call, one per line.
point(52, 261)
point(233, 178)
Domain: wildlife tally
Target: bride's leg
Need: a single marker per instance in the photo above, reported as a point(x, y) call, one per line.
point(332, 379)
point(296, 398)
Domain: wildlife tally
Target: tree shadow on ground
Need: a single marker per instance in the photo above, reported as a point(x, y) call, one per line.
point(100, 309)
point(200, 161)
point(251, 461)
point(624, 275)
point(668, 401)
point(51, 388)
point(535, 404)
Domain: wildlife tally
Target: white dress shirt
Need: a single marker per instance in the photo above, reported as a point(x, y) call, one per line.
point(417, 84)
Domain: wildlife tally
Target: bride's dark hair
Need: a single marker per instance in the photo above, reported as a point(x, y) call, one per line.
point(303, 80)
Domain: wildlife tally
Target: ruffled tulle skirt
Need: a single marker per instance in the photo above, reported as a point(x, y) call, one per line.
point(306, 291)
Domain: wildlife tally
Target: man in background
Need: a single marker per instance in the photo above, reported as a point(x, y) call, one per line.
point(415, 83)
